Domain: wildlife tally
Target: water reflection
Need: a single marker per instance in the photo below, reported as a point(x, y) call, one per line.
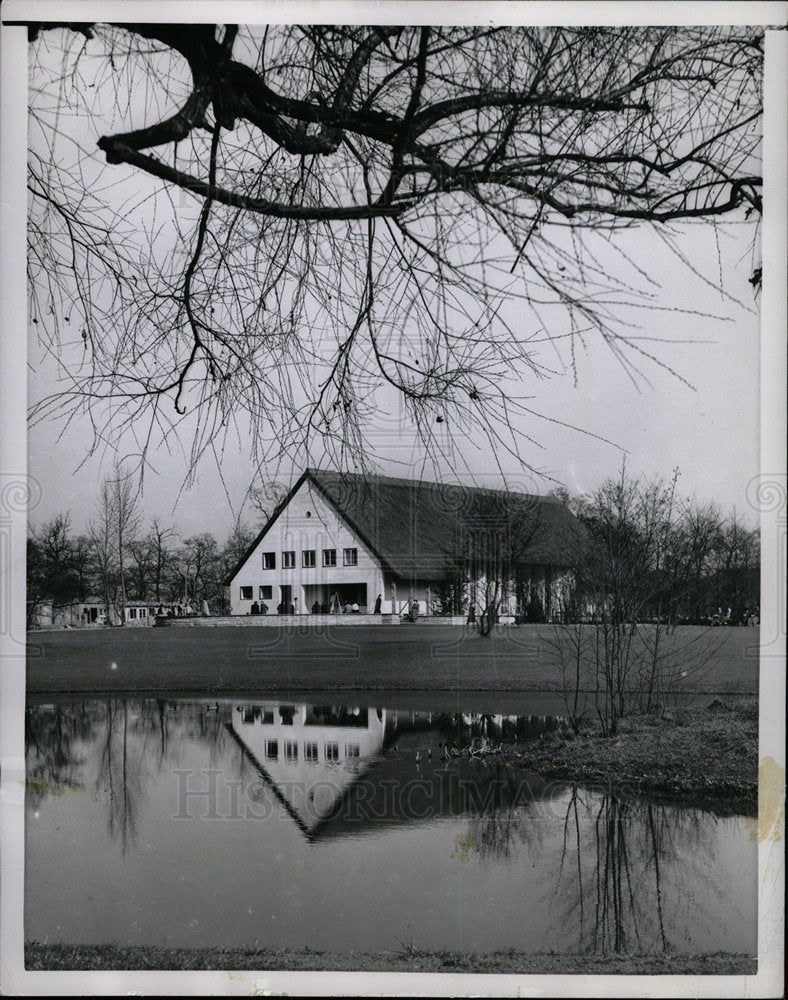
point(613, 875)
point(296, 810)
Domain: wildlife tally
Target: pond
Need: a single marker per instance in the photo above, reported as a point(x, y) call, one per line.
point(350, 826)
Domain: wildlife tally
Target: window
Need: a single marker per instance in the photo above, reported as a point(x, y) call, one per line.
point(143, 612)
point(132, 612)
point(246, 593)
point(291, 750)
point(310, 753)
point(308, 558)
point(329, 557)
point(353, 750)
point(332, 751)
point(272, 749)
point(350, 557)
point(288, 560)
point(266, 593)
point(269, 560)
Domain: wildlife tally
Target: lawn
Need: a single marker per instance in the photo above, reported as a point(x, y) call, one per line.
point(97, 957)
point(391, 658)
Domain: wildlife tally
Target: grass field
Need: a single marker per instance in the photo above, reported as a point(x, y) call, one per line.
point(87, 957)
point(390, 658)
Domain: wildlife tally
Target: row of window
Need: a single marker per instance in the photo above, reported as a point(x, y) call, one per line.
point(311, 751)
point(309, 558)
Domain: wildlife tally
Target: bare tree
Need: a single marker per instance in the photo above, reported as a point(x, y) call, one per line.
point(497, 535)
point(51, 573)
point(736, 565)
point(630, 591)
point(102, 540)
point(141, 557)
point(112, 530)
point(161, 556)
point(200, 554)
point(266, 498)
point(124, 497)
point(285, 228)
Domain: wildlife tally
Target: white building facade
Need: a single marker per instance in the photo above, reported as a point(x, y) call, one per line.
point(308, 558)
point(342, 543)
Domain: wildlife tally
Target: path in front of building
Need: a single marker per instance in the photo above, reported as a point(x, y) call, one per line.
point(391, 658)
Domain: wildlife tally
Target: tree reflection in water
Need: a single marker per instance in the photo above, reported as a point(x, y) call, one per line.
point(115, 745)
point(54, 735)
point(618, 905)
point(614, 853)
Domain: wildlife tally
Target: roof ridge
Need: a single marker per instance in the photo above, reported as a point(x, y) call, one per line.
point(405, 481)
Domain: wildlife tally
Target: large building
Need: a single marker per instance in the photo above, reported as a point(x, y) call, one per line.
point(341, 541)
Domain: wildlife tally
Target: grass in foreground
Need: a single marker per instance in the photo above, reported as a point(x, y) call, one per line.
point(40, 957)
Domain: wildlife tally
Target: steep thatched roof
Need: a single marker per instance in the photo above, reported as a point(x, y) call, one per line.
point(422, 529)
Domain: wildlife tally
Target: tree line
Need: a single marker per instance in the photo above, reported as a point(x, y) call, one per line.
point(641, 552)
point(117, 560)
point(654, 560)
point(654, 555)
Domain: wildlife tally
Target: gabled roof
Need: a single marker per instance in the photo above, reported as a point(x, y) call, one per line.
point(419, 528)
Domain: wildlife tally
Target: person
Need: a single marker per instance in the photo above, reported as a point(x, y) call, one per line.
point(354, 608)
point(255, 609)
point(291, 608)
point(280, 608)
point(263, 609)
point(316, 608)
point(414, 611)
point(378, 601)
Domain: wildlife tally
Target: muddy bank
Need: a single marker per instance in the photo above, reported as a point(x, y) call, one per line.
point(40, 957)
point(708, 756)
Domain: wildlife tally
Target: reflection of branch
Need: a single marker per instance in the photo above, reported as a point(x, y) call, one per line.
point(655, 856)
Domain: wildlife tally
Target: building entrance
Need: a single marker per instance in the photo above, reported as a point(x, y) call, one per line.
point(286, 606)
point(326, 598)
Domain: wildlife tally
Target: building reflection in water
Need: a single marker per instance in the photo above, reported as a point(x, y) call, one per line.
point(616, 874)
point(342, 770)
